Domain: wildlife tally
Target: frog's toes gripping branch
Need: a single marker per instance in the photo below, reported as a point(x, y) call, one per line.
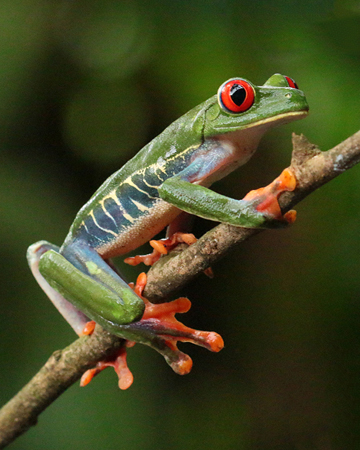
point(118, 363)
point(266, 199)
point(161, 247)
point(161, 331)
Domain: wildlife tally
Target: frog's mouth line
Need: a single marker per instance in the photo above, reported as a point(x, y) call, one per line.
point(281, 118)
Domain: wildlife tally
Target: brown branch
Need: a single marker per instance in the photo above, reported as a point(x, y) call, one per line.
point(312, 169)
point(63, 368)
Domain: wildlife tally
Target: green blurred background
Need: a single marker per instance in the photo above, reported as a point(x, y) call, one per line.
point(83, 86)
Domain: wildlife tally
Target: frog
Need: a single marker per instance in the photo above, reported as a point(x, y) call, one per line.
point(161, 186)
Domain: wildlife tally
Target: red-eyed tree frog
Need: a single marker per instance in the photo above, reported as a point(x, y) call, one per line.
point(169, 176)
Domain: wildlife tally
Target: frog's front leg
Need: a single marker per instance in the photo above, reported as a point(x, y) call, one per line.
point(259, 209)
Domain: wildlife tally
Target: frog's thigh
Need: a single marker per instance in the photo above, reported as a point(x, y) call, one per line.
point(80, 274)
point(73, 316)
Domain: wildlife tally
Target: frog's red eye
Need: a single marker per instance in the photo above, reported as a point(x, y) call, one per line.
point(292, 83)
point(236, 95)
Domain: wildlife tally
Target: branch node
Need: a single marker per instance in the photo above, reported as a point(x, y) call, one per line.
point(303, 150)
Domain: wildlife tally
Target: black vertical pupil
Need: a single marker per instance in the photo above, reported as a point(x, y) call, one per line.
point(237, 94)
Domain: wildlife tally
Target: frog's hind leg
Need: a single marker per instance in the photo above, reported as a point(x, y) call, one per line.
point(160, 330)
point(76, 319)
point(84, 278)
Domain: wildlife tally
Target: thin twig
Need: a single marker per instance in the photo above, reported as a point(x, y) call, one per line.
point(312, 169)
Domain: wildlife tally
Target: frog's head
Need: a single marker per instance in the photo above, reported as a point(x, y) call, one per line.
point(239, 105)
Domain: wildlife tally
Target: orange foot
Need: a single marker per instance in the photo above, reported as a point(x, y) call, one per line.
point(159, 329)
point(161, 319)
point(163, 247)
point(118, 362)
point(266, 197)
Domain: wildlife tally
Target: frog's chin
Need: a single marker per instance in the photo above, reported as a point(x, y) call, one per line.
point(244, 142)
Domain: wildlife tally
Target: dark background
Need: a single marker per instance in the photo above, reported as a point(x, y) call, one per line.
point(83, 86)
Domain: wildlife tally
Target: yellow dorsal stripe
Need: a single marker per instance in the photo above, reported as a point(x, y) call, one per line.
point(101, 228)
point(140, 206)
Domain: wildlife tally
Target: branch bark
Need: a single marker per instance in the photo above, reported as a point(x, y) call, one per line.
point(312, 169)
